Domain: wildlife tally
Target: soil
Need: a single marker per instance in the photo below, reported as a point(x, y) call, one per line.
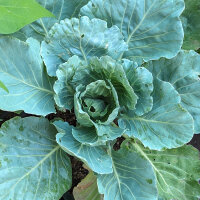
point(195, 142)
point(118, 143)
point(78, 171)
point(67, 116)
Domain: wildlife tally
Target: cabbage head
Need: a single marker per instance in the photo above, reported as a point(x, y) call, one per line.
point(118, 68)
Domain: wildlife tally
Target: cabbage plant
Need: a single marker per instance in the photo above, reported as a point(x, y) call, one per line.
point(118, 65)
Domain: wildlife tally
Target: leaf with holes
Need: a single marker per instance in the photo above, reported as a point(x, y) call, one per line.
point(112, 70)
point(32, 165)
point(23, 73)
point(177, 171)
point(132, 178)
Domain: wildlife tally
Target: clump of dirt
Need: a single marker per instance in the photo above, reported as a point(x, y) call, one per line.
point(67, 116)
point(195, 142)
point(118, 143)
point(5, 116)
point(78, 172)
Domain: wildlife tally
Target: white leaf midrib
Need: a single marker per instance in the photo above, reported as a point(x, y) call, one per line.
point(154, 167)
point(30, 85)
point(138, 26)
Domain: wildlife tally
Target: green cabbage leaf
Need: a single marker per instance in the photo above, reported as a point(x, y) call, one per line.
point(95, 157)
point(32, 164)
point(30, 88)
point(183, 72)
point(151, 28)
point(177, 171)
point(14, 15)
point(132, 178)
point(82, 37)
point(117, 67)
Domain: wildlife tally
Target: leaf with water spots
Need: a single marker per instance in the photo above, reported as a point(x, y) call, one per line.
point(32, 165)
point(133, 177)
point(177, 171)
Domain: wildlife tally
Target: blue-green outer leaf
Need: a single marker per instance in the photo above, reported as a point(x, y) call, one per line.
point(132, 179)
point(183, 72)
point(141, 80)
point(167, 125)
point(32, 165)
point(152, 28)
point(177, 171)
point(95, 157)
point(22, 71)
point(82, 37)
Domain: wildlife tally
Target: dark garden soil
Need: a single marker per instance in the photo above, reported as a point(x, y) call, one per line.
point(195, 142)
point(78, 171)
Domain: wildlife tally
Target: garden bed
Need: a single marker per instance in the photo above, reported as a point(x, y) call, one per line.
point(122, 79)
point(78, 171)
